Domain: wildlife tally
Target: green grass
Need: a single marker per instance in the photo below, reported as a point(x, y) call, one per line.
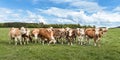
point(109, 50)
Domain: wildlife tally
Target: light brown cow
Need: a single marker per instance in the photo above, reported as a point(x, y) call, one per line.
point(94, 33)
point(15, 35)
point(46, 34)
point(35, 33)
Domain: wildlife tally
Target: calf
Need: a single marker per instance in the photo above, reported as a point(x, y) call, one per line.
point(15, 35)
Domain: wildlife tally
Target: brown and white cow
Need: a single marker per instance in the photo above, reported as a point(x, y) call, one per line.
point(15, 35)
point(35, 33)
point(80, 35)
point(25, 33)
point(105, 29)
point(70, 35)
point(94, 33)
point(46, 34)
point(59, 34)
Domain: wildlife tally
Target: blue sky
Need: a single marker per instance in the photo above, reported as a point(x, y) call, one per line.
point(85, 12)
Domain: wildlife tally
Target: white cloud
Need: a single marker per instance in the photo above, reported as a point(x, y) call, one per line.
point(9, 15)
point(59, 15)
point(100, 18)
point(86, 5)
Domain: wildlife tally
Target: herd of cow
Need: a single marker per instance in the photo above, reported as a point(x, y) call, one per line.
point(56, 35)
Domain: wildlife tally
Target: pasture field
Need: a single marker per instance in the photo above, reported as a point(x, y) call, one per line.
point(109, 50)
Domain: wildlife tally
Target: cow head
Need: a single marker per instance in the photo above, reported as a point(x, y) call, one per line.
point(82, 31)
point(97, 31)
point(67, 29)
point(70, 32)
point(23, 30)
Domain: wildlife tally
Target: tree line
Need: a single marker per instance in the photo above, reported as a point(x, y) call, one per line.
point(41, 25)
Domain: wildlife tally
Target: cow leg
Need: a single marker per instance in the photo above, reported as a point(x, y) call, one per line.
point(30, 38)
point(20, 40)
point(10, 41)
point(27, 41)
point(78, 38)
point(36, 38)
point(88, 40)
point(50, 42)
point(62, 40)
point(54, 41)
point(16, 41)
point(81, 41)
point(68, 42)
point(71, 43)
point(39, 40)
point(24, 41)
point(95, 42)
point(98, 42)
point(43, 42)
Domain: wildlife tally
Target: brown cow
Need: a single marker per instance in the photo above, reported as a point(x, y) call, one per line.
point(47, 35)
point(15, 35)
point(94, 33)
point(35, 33)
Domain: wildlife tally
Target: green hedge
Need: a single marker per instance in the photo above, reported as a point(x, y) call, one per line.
point(41, 25)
